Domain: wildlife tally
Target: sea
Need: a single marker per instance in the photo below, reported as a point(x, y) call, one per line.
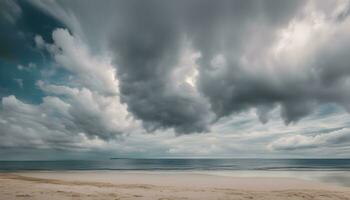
point(326, 170)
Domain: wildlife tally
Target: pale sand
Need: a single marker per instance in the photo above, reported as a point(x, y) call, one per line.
point(159, 186)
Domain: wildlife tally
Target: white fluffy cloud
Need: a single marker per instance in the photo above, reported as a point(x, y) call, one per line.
point(335, 138)
point(84, 112)
point(92, 71)
point(40, 126)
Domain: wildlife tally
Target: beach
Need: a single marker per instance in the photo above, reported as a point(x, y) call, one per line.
point(113, 185)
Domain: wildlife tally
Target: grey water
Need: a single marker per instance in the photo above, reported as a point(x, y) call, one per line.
point(182, 164)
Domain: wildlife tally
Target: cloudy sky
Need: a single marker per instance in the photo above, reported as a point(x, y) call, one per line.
point(187, 78)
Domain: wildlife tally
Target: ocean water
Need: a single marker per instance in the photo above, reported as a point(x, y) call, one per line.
point(336, 171)
point(183, 164)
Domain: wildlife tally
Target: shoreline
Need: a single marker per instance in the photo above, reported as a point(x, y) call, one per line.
point(161, 186)
point(251, 180)
point(330, 177)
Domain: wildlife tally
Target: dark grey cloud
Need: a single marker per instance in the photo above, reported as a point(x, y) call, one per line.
point(254, 54)
point(147, 45)
point(239, 85)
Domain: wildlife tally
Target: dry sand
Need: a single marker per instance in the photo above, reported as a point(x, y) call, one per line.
point(159, 186)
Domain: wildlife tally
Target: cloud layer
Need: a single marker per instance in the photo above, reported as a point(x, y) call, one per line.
point(221, 67)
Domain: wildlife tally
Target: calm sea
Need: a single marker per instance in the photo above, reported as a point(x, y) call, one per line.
point(183, 164)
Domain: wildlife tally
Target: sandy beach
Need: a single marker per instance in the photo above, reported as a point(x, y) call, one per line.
point(114, 185)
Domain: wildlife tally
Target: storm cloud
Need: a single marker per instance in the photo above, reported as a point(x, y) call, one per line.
point(238, 55)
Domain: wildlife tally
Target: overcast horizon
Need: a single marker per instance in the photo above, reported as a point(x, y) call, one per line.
point(174, 79)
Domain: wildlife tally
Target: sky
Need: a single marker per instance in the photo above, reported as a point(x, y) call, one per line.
point(88, 79)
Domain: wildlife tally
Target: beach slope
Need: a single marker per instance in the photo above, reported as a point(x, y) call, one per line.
point(159, 186)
